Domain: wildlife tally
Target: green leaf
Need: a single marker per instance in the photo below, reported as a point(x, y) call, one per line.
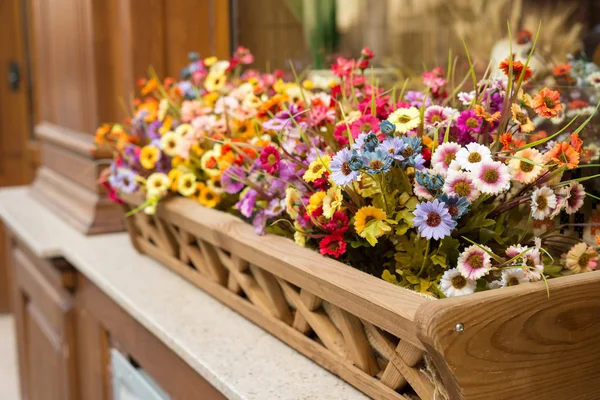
point(389, 277)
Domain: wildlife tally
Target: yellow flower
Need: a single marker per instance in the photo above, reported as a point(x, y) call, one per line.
point(427, 141)
point(214, 82)
point(170, 143)
point(370, 223)
point(183, 129)
point(208, 197)
point(157, 184)
point(211, 98)
point(166, 125)
point(186, 184)
point(280, 86)
point(209, 162)
point(316, 169)
point(299, 236)
point(405, 119)
point(210, 61)
point(315, 201)
point(252, 101)
point(293, 200)
point(150, 86)
point(174, 175)
point(308, 84)
point(521, 117)
point(524, 98)
point(332, 201)
point(149, 156)
point(163, 107)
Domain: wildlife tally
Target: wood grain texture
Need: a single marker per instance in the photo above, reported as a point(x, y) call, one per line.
point(369, 298)
point(332, 333)
point(517, 343)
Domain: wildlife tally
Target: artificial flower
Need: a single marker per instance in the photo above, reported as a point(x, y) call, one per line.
point(581, 258)
point(207, 196)
point(405, 119)
point(333, 201)
point(316, 169)
point(444, 155)
point(518, 69)
point(491, 177)
point(315, 201)
point(509, 143)
point(470, 156)
point(437, 117)
point(370, 223)
point(186, 184)
point(231, 179)
point(269, 159)
point(394, 147)
point(521, 118)
point(485, 115)
point(564, 154)
point(457, 206)
point(433, 220)
point(561, 70)
point(377, 162)
point(333, 245)
point(469, 122)
point(454, 284)
point(461, 184)
point(475, 262)
point(543, 202)
point(575, 197)
point(157, 184)
point(341, 171)
point(525, 166)
point(546, 103)
point(513, 277)
point(149, 156)
point(593, 79)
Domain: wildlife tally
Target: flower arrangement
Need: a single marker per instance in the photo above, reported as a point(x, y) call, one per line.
point(436, 190)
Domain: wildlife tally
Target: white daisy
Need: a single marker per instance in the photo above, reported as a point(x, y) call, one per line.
point(444, 155)
point(454, 284)
point(543, 202)
point(169, 143)
point(472, 155)
point(475, 262)
point(513, 277)
point(460, 183)
point(594, 79)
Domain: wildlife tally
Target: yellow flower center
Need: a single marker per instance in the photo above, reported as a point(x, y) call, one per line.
point(525, 166)
point(474, 157)
point(449, 158)
point(271, 159)
point(491, 176)
point(521, 118)
point(436, 118)
point(316, 168)
point(366, 127)
point(542, 202)
point(404, 119)
point(462, 189)
point(375, 164)
point(472, 122)
point(459, 282)
point(475, 261)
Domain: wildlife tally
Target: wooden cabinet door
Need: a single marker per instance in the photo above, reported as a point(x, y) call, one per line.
point(45, 323)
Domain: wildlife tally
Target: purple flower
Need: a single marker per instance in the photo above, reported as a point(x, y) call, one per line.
point(433, 220)
point(246, 203)
point(124, 180)
point(416, 99)
point(231, 179)
point(259, 222)
point(275, 207)
point(287, 170)
point(341, 173)
point(394, 147)
point(468, 121)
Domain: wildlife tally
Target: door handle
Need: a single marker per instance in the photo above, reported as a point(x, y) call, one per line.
point(14, 76)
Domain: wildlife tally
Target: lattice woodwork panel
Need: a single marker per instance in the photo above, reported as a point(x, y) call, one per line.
point(380, 364)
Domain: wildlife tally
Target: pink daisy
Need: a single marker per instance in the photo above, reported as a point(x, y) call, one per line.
point(460, 184)
point(421, 192)
point(474, 262)
point(576, 195)
point(438, 116)
point(491, 177)
point(365, 124)
point(444, 155)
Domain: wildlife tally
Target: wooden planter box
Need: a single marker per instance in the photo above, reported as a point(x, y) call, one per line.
point(512, 343)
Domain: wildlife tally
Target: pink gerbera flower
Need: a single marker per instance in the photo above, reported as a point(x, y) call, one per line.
point(474, 262)
point(460, 184)
point(365, 124)
point(444, 155)
point(491, 177)
point(269, 159)
point(575, 197)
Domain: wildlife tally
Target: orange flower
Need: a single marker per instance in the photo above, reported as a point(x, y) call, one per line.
point(270, 106)
point(509, 143)
point(539, 135)
point(577, 104)
point(101, 133)
point(598, 240)
point(576, 142)
point(518, 68)
point(561, 69)
point(150, 86)
point(547, 103)
point(481, 113)
point(564, 154)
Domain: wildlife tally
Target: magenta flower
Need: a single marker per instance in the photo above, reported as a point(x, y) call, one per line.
point(468, 121)
point(269, 159)
point(231, 179)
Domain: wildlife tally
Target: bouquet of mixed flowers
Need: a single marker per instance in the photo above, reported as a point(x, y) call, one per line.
point(434, 190)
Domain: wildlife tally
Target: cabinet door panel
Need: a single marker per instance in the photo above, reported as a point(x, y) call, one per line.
point(45, 322)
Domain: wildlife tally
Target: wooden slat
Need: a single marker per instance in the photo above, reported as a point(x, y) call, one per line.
point(311, 302)
point(519, 341)
point(357, 343)
point(369, 298)
point(272, 290)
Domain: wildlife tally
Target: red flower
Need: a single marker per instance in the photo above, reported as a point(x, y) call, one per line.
point(426, 153)
point(338, 224)
point(322, 183)
point(524, 36)
point(577, 104)
point(366, 53)
point(269, 159)
point(333, 245)
point(342, 67)
point(561, 69)
point(518, 69)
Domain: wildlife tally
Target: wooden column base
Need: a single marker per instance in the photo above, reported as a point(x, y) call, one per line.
point(67, 181)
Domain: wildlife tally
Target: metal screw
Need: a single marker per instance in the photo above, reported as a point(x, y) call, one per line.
point(459, 328)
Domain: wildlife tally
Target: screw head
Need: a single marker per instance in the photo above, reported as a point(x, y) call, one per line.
point(459, 328)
